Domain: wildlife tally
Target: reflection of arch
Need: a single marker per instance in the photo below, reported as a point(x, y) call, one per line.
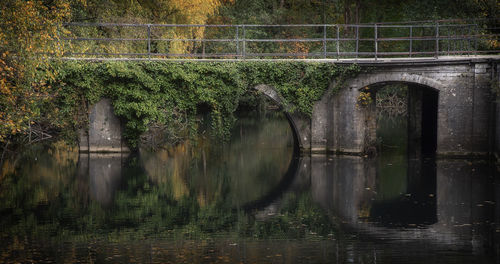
point(269, 92)
point(351, 187)
point(274, 194)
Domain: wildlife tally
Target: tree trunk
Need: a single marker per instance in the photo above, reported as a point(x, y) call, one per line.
point(358, 12)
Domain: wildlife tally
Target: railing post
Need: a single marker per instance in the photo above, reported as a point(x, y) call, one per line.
point(357, 40)
point(461, 42)
point(324, 41)
point(376, 42)
point(469, 45)
point(476, 34)
point(437, 40)
point(203, 48)
point(463, 36)
point(237, 41)
point(149, 41)
point(411, 40)
point(449, 39)
point(244, 42)
point(338, 42)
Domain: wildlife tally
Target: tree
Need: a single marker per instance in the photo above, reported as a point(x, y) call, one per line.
point(28, 29)
point(148, 11)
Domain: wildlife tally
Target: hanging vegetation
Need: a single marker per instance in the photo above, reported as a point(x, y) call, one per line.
point(171, 93)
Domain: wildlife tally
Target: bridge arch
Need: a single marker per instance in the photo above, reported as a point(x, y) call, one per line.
point(422, 108)
point(299, 131)
point(349, 129)
point(368, 79)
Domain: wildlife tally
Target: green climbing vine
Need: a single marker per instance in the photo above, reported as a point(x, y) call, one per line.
point(170, 94)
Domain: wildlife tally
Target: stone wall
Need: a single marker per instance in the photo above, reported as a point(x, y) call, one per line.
point(104, 131)
point(463, 112)
point(497, 114)
point(497, 131)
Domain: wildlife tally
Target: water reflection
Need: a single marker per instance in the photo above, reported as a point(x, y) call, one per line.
point(247, 201)
point(243, 170)
point(458, 215)
point(104, 171)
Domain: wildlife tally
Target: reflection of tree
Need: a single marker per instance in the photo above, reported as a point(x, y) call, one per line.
point(152, 202)
point(44, 174)
point(263, 153)
point(166, 166)
point(299, 217)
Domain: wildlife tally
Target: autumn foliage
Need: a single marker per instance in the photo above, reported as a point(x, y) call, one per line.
point(29, 32)
point(32, 31)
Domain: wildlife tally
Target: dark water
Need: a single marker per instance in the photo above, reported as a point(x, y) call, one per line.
point(248, 201)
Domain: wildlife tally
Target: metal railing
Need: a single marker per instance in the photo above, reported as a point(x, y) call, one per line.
point(328, 41)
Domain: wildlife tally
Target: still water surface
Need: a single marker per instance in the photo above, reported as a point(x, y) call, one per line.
point(248, 201)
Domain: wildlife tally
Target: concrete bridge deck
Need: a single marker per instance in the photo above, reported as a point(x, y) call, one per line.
point(361, 61)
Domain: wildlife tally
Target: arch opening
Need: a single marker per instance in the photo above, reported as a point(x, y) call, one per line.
point(406, 114)
point(263, 101)
point(270, 94)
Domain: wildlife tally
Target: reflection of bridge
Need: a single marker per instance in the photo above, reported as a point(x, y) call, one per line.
point(461, 203)
point(463, 196)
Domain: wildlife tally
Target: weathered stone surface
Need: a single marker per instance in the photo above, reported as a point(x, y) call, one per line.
point(320, 123)
point(497, 131)
point(104, 132)
point(464, 105)
point(464, 110)
point(348, 123)
point(105, 171)
point(497, 114)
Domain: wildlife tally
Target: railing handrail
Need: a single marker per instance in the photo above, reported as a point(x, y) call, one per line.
point(447, 39)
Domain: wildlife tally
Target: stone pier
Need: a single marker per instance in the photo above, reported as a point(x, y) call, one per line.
point(104, 131)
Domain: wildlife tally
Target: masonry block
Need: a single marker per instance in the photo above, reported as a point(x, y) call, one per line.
point(104, 132)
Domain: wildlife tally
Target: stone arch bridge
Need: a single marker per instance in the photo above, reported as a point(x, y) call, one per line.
point(457, 91)
point(454, 95)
